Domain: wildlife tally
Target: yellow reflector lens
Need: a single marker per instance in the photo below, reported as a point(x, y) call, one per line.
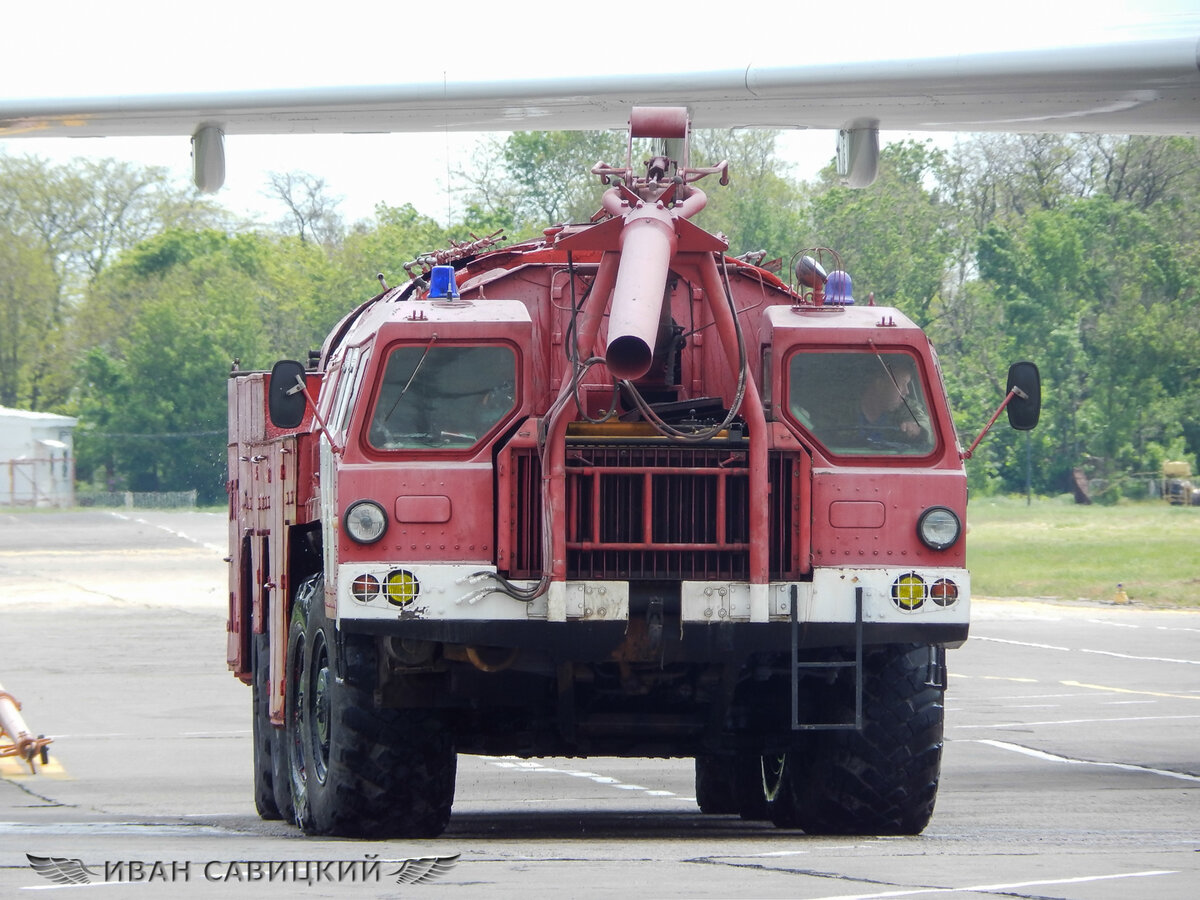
point(402, 587)
point(908, 591)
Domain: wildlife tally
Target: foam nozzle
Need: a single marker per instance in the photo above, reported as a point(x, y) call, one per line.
point(647, 244)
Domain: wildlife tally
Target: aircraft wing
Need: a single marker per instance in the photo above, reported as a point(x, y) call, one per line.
point(1138, 87)
point(1143, 87)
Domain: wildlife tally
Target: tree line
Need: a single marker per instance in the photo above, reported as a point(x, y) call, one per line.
point(125, 299)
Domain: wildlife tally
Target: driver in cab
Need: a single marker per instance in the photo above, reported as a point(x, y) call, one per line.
point(888, 410)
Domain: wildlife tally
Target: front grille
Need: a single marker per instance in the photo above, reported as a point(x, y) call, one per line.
point(658, 512)
point(525, 527)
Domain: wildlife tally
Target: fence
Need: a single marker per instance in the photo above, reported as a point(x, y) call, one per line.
point(137, 499)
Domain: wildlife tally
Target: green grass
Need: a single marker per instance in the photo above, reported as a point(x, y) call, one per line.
point(1057, 549)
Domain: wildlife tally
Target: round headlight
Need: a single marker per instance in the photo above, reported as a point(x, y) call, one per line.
point(938, 528)
point(365, 521)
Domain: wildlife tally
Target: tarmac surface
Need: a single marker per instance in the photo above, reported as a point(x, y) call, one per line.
point(1071, 768)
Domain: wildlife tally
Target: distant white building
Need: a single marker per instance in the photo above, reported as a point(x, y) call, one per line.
point(37, 458)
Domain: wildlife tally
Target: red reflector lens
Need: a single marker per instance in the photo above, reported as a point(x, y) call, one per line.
point(365, 588)
point(944, 592)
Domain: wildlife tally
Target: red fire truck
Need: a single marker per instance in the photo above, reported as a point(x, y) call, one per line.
point(606, 492)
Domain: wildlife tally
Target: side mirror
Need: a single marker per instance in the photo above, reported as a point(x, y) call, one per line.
point(1026, 405)
point(285, 400)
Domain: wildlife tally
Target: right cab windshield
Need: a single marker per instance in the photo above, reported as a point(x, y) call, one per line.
point(861, 403)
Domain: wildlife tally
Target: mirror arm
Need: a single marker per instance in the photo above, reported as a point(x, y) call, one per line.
point(1015, 392)
point(312, 404)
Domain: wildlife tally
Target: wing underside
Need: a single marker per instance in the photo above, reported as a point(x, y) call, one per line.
point(1147, 87)
point(1143, 87)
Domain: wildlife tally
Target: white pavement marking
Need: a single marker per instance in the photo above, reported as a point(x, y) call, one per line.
point(1043, 696)
point(1053, 757)
point(982, 888)
point(172, 532)
point(529, 765)
point(1188, 662)
point(993, 640)
point(1128, 702)
point(1072, 722)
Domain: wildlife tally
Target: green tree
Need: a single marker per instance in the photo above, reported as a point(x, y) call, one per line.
point(897, 238)
point(1081, 254)
point(400, 237)
point(541, 178)
point(762, 207)
point(78, 217)
point(83, 213)
point(29, 329)
point(163, 407)
point(1089, 291)
point(311, 212)
point(180, 309)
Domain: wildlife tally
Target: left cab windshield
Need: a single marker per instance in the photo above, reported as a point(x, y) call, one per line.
point(436, 396)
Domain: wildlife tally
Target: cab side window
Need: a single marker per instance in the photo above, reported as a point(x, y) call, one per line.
point(349, 381)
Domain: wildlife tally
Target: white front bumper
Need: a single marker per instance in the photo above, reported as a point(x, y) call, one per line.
point(450, 592)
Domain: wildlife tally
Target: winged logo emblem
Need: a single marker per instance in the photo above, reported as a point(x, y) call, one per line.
point(61, 870)
point(426, 868)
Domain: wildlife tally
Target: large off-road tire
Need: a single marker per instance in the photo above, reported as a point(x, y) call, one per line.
point(356, 770)
point(263, 731)
point(715, 789)
point(761, 784)
point(741, 783)
point(883, 779)
point(272, 781)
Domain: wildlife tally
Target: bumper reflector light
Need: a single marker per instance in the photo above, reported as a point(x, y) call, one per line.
point(402, 587)
point(908, 591)
point(944, 592)
point(365, 588)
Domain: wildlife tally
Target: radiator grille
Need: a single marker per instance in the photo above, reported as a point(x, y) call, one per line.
point(658, 512)
point(526, 523)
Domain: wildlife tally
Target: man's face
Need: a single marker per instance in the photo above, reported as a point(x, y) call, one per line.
point(895, 398)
